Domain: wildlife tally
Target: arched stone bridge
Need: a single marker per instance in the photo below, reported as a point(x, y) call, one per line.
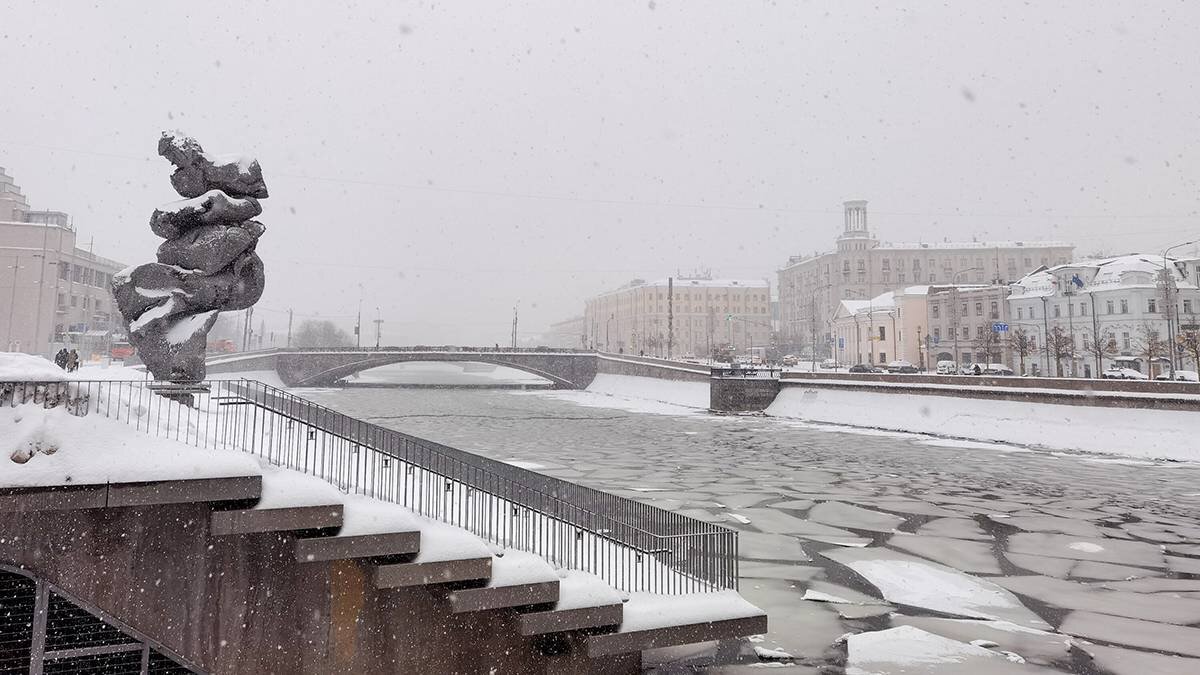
point(323, 367)
point(565, 368)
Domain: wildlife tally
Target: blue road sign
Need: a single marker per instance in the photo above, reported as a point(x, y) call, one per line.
point(841, 343)
point(999, 328)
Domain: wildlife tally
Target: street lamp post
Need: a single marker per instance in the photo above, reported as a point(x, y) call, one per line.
point(16, 267)
point(1046, 335)
point(1168, 283)
point(1070, 296)
point(955, 313)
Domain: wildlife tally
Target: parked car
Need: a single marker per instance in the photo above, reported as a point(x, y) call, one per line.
point(901, 367)
point(829, 364)
point(947, 368)
point(997, 369)
point(1181, 376)
point(1123, 374)
point(789, 360)
point(865, 368)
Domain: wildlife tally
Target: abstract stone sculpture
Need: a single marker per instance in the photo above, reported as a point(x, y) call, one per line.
point(206, 265)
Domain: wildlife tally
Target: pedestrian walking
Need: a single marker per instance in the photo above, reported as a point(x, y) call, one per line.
point(60, 359)
point(72, 361)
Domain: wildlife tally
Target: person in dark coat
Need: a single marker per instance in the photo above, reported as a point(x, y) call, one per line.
point(72, 361)
point(60, 359)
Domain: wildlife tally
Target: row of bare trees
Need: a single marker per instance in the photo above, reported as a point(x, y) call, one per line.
point(1060, 345)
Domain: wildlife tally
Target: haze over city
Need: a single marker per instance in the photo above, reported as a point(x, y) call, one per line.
point(459, 159)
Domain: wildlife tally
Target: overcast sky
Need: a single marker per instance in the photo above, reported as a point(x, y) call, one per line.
point(457, 158)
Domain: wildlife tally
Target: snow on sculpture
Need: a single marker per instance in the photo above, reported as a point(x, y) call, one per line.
point(206, 265)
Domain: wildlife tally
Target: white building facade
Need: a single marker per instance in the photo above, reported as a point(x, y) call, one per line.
point(1085, 317)
point(861, 267)
point(55, 294)
point(680, 317)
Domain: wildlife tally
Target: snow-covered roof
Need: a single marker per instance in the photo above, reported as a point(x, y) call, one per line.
point(685, 284)
point(880, 303)
point(1138, 269)
point(951, 245)
point(712, 283)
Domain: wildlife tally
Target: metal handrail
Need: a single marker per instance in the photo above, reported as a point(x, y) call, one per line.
point(633, 546)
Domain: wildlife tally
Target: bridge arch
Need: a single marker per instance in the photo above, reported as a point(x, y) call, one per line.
point(317, 368)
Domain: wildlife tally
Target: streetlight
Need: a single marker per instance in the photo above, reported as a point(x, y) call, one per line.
point(954, 309)
point(15, 267)
point(1168, 282)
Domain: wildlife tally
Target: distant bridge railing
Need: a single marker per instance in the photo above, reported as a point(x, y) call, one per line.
point(631, 545)
point(429, 348)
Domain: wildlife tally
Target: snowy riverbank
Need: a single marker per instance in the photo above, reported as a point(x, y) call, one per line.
point(1142, 433)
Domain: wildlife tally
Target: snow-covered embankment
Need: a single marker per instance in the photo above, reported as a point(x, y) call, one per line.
point(1133, 432)
point(641, 394)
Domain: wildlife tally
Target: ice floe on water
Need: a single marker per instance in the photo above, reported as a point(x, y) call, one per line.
point(911, 581)
point(907, 650)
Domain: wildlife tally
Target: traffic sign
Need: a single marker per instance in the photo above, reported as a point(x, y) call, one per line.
point(999, 328)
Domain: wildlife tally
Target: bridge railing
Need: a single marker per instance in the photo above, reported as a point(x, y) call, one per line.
point(631, 545)
point(445, 349)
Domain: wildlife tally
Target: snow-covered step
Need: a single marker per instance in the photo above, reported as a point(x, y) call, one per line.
point(652, 621)
point(401, 575)
point(290, 501)
point(345, 547)
point(585, 601)
point(370, 529)
point(285, 519)
point(518, 579)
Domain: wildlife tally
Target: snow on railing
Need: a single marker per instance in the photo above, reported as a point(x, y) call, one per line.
point(631, 545)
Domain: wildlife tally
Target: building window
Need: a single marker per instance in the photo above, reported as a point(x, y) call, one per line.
point(966, 332)
point(845, 265)
point(1083, 309)
point(901, 277)
point(979, 309)
point(74, 300)
point(995, 310)
point(887, 265)
point(1152, 306)
point(1020, 313)
point(862, 266)
point(1187, 306)
point(937, 333)
point(932, 278)
point(916, 265)
point(64, 271)
point(964, 310)
point(1108, 306)
point(1124, 306)
point(1125, 340)
point(1033, 343)
point(883, 357)
point(1028, 263)
point(1033, 312)
point(936, 310)
point(882, 335)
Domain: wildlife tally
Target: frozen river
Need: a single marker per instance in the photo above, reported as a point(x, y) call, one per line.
point(857, 531)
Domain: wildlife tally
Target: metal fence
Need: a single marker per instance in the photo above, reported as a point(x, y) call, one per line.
point(631, 545)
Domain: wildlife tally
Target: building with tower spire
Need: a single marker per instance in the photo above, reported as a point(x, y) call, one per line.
point(862, 267)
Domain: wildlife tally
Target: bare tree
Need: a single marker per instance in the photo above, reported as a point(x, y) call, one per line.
point(1060, 345)
point(1021, 342)
point(1189, 343)
point(1150, 346)
point(991, 344)
point(313, 333)
point(1104, 346)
